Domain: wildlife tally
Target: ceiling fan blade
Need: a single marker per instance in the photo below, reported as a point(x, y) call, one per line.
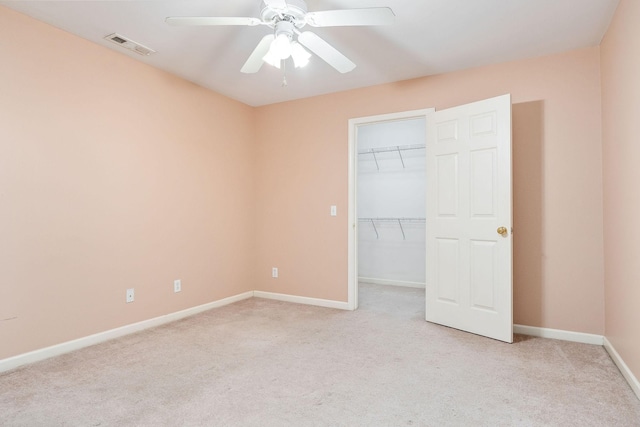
point(325, 51)
point(276, 4)
point(211, 20)
point(351, 17)
point(254, 63)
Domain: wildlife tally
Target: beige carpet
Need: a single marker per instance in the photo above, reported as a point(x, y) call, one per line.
point(268, 363)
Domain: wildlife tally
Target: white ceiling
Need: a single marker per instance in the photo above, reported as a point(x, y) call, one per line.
point(428, 37)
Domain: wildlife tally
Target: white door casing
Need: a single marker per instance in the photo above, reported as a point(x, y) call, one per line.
point(469, 197)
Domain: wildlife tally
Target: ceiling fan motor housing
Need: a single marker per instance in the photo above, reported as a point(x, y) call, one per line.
point(284, 27)
point(295, 14)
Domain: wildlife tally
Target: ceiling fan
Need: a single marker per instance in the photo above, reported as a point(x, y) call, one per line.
point(287, 18)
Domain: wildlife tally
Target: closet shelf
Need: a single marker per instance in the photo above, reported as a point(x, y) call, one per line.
point(392, 149)
point(398, 220)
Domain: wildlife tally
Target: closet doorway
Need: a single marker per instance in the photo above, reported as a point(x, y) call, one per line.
point(387, 154)
point(468, 215)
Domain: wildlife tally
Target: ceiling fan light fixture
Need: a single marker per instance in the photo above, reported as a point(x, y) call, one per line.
point(271, 59)
point(281, 46)
point(300, 55)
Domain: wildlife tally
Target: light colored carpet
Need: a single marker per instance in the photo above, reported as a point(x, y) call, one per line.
point(268, 363)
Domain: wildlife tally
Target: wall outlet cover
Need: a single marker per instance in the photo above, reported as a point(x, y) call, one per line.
point(130, 295)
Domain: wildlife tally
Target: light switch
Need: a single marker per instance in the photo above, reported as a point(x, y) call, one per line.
point(334, 210)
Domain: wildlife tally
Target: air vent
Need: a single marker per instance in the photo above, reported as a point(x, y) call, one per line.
point(121, 40)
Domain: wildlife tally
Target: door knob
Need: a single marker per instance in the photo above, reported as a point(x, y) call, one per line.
point(502, 231)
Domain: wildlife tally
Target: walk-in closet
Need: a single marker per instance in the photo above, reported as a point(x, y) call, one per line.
point(391, 187)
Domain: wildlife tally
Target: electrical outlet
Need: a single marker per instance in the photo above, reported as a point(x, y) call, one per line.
point(274, 272)
point(177, 285)
point(334, 210)
point(130, 295)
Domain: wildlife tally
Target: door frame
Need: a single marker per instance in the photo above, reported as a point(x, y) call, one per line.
point(352, 220)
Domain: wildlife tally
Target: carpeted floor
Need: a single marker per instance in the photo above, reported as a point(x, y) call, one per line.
point(268, 363)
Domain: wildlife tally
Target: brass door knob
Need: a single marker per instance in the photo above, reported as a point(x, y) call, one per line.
point(502, 231)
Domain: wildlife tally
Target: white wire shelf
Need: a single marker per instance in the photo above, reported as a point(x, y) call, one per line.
point(391, 149)
point(373, 222)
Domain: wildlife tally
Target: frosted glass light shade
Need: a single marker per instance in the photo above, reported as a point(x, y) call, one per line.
point(281, 46)
point(300, 55)
point(271, 59)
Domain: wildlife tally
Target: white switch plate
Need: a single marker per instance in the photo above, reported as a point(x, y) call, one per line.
point(130, 295)
point(274, 272)
point(177, 285)
point(334, 210)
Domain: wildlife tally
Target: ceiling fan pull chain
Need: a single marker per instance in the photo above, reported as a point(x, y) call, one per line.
point(284, 73)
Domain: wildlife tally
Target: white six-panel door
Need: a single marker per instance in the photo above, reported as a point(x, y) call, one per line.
point(469, 218)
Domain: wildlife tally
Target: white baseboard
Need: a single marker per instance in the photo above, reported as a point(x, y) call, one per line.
point(558, 334)
point(66, 347)
point(302, 300)
point(391, 282)
point(624, 369)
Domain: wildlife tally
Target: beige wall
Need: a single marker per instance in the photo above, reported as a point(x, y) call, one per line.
point(621, 152)
point(112, 175)
point(116, 175)
point(558, 248)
